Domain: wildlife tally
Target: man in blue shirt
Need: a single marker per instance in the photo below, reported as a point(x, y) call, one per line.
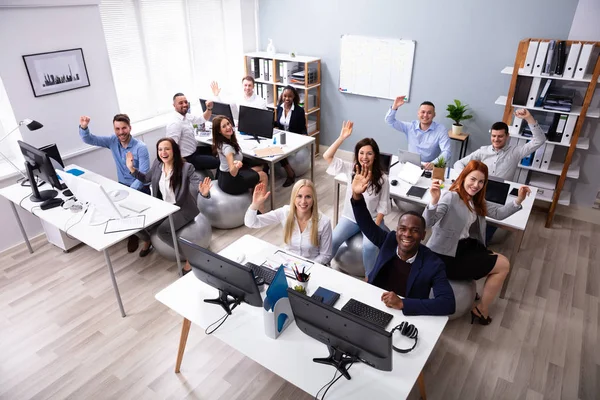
point(119, 145)
point(426, 137)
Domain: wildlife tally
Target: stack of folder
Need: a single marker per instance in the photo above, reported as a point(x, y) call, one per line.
point(559, 100)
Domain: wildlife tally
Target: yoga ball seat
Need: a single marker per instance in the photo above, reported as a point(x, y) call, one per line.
point(198, 231)
point(464, 295)
point(224, 211)
point(349, 257)
point(300, 162)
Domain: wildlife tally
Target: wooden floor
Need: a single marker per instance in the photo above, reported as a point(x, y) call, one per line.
point(61, 334)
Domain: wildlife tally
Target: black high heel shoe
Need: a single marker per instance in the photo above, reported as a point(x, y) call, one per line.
point(480, 318)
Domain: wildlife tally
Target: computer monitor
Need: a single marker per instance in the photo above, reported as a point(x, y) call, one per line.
point(86, 190)
point(497, 190)
point(385, 159)
point(219, 109)
point(55, 159)
point(234, 281)
point(348, 337)
point(37, 163)
point(256, 122)
point(407, 156)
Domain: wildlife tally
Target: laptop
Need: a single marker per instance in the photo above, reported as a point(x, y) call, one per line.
point(405, 156)
point(385, 159)
point(497, 190)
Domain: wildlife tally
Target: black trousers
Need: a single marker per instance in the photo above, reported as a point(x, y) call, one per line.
point(202, 158)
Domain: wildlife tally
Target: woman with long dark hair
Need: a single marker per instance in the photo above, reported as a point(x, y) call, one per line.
point(457, 222)
point(235, 175)
point(290, 117)
point(172, 180)
point(377, 195)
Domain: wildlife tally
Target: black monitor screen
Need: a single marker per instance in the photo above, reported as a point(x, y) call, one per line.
point(230, 277)
point(53, 153)
point(497, 191)
point(38, 164)
point(257, 122)
point(219, 109)
point(342, 331)
point(385, 160)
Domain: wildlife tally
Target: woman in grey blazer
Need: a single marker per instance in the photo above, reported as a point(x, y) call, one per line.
point(457, 221)
point(172, 180)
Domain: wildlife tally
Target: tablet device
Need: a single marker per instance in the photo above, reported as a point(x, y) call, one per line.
point(497, 191)
point(416, 191)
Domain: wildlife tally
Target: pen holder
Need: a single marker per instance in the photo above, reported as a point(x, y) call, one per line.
point(304, 285)
point(277, 320)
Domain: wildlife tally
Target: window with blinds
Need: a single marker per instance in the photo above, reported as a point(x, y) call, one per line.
point(8, 147)
point(159, 48)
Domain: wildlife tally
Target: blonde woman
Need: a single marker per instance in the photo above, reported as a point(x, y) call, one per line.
point(306, 232)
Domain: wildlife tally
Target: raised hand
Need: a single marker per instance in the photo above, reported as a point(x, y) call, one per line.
point(361, 180)
point(428, 166)
point(84, 121)
point(260, 195)
point(214, 86)
point(209, 105)
point(346, 129)
point(205, 186)
point(399, 102)
point(524, 191)
point(435, 191)
point(390, 299)
point(129, 161)
point(525, 114)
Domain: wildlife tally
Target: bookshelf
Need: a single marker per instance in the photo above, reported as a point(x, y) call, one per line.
point(275, 71)
point(581, 72)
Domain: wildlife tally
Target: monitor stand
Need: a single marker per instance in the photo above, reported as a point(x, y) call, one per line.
point(224, 301)
point(38, 196)
point(338, 359)
point(96, 217)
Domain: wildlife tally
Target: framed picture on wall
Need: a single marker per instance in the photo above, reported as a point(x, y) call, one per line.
point(56, 71)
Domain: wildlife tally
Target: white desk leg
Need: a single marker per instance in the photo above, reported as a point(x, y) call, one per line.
point(272, 184)
point(336, 202)
point(114, 282)
point(21, 226)
point(513, 257)
point(175, 246)
point(312, 162)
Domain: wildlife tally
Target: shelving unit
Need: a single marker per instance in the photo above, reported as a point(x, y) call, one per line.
point(562, 169)
point(307, 90)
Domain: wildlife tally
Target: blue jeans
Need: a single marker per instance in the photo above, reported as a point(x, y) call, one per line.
point(344, 230)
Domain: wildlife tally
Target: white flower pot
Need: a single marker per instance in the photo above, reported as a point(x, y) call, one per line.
point(457, 129)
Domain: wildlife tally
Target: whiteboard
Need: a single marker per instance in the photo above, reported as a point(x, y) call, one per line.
point(376, 67)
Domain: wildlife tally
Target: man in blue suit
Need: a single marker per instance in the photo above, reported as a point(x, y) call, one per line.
point(404, 267)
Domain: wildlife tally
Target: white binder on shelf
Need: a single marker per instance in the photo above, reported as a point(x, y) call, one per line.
point(515, 128)
point(537, 157)
point(568, 131)
point(547, 157)
point(533, 92)
point(271, 76)
point(584, 60)
point(530, 58)
point(261, 69)
point(540, 58)
point(572, 60)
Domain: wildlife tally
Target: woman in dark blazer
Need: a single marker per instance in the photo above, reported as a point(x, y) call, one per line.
point(290, 117)
point(172, 180)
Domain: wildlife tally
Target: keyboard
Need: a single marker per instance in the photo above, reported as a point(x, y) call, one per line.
point(262, 272)
point(368, 313)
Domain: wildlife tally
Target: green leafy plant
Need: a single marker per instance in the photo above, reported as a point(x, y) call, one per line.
point(458, 112)
point(300, 289)
point(440, 163)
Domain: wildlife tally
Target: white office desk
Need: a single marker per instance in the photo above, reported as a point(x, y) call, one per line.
point(294, 142)
point(77, 224)
point(290, 356)
point(515, 223)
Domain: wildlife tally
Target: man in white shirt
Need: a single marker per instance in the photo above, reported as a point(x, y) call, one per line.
point(248, 98)
point(501, 158)
point(181, 130)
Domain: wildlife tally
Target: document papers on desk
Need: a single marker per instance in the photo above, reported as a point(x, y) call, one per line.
point(288, 261)
point(268, 151)
point(409, 172)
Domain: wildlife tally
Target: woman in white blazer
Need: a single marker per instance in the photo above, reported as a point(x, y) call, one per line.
point(306, 231)
point(457, 222)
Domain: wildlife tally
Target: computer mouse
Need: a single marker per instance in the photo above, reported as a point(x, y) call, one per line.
point(114, 194)
point(240, 259)
point(67, 192)
point(394, 182)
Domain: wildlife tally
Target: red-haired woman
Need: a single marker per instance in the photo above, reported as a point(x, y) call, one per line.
point(457, 221)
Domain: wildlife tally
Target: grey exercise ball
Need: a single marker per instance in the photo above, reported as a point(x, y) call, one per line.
point(204, 173)
point(464, 295)
point(405, 206)
point(224, 211)
point(349, 256)
point(199, 231)
point(300, 162)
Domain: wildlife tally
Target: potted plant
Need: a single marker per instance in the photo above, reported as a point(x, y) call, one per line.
point(457, 113)
point(439, 169)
